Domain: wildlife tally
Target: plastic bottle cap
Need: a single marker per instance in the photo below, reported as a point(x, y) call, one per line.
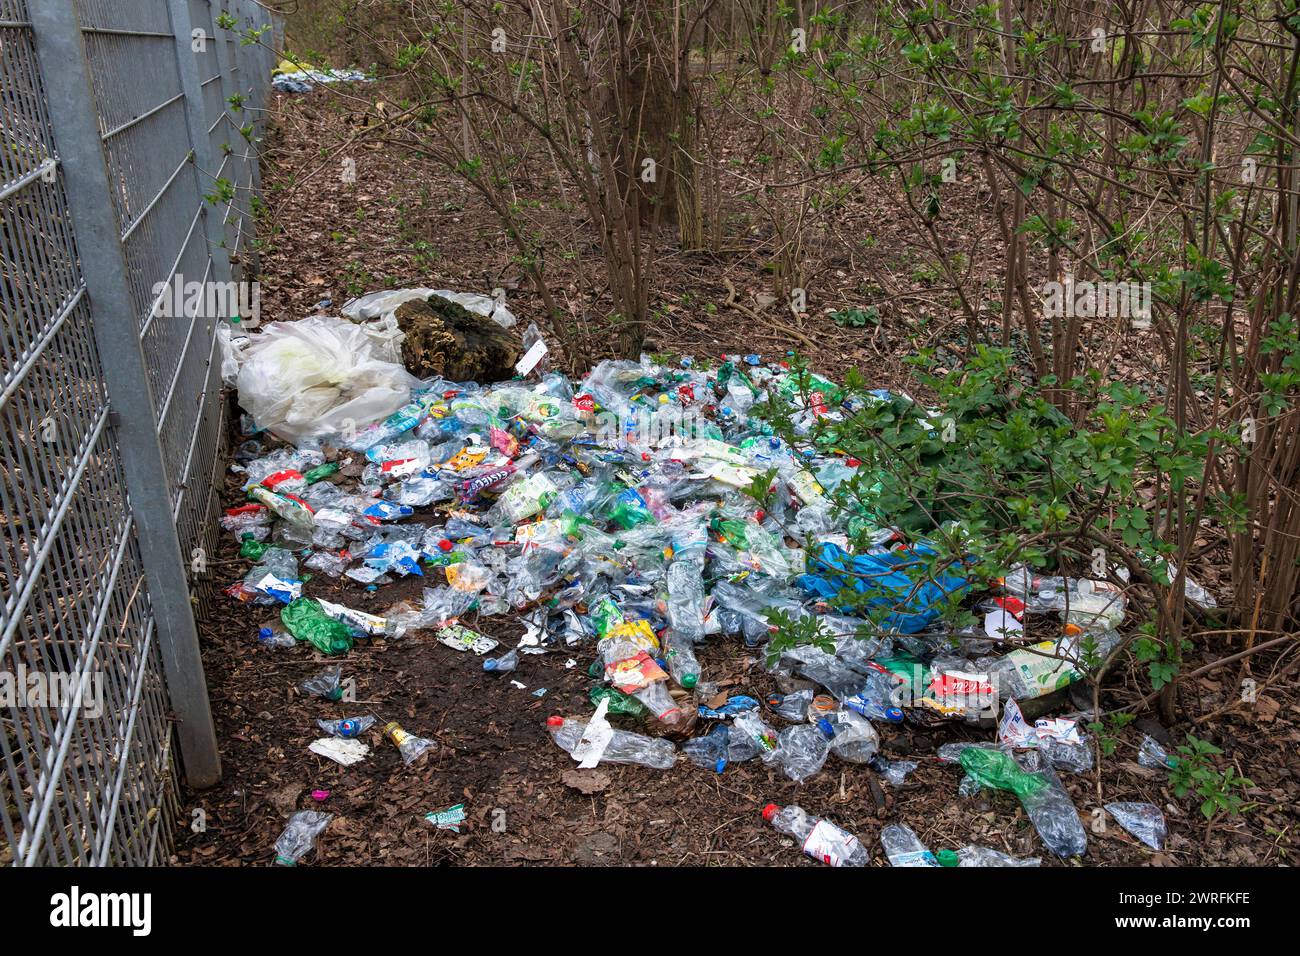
point(555, 721)
point(770, 811)
point(688, 680)
point(1073, 629)
point(825, 727)
point(445, 545)
point(264, 633)
point(947, 858)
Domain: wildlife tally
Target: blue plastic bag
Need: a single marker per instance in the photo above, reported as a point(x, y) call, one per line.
point(913, 604)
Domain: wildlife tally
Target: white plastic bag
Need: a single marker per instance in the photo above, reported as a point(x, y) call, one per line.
point(382, 305)
point(318, 377)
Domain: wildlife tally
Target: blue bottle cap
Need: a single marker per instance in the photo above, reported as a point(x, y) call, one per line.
point(825, 727)
point(489, 665)
point(721, 765)
point(264, 633)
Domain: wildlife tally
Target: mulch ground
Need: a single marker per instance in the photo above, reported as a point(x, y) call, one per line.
point(399, 225)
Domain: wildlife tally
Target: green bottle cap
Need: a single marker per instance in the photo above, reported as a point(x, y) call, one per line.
point(688, 681)
point(947, 857)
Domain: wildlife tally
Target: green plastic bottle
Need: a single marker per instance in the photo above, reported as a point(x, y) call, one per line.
point(320, 472)
point(999, 770)
point(252, 549)
point(619, 702)
point(307, 621)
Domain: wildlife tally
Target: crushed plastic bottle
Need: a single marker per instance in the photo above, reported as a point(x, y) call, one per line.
point(904, 848)
point(347, 727)
point(327, 684)
point(792, 706)
point(274, 637)
point(307, 621)
point(411, 748)
point(818, 838)
point(504, 664)
point(1045, 801)
point(1143, 820)
point(1153, 756)
point(986, 856)
point(711, 751)
point(300, 835)
point(619, 746)
point(801, 750)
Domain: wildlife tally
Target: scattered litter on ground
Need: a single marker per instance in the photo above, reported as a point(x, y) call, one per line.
point(627, 517)
point(291, 77)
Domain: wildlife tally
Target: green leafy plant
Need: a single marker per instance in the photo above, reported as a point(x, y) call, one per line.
point(1218, 789)
point(1107, 731)
point(856, 318)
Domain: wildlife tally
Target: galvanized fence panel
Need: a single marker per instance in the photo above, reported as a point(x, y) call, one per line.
point(114, 127)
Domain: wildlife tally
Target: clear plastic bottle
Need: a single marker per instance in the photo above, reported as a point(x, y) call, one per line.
point(853, 739)
point(623, 747)
point(349, 727)
point(1038, 591)
point(300, 835)
point(682, 663)
point(986, 856)
point(275, 637)
point(660, 703)
point(801, 750)
point(752, 727)
point(686, 596)
point(504, 664)
point(819, 838)
point(1093, 606)
point(1046, 802)
point(411, 748)
point(710, 751)
point(904, 847)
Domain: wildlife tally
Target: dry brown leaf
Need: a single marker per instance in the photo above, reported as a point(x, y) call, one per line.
point(586, 781)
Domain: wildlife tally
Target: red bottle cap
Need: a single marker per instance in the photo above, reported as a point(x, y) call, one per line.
point(444, 545)
point(554, 721)
point(760, 514)
point(770, 811)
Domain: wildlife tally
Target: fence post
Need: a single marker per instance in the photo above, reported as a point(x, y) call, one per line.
point(61, 54)
point(250, 64)
point(205, 163)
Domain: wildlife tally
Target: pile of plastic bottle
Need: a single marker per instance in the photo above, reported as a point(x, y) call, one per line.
point(611, 515)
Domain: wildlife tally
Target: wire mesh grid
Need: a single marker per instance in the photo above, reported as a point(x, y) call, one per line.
point(88, 773)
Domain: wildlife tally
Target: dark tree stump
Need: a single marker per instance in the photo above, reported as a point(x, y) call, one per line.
point(448, 340)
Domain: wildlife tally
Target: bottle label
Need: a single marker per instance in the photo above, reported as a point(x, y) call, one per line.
point(396, 734)
point(913, 858)
point(829, 844)
point(634, 673)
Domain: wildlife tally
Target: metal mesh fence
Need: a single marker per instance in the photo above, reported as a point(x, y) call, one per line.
point(126, 176)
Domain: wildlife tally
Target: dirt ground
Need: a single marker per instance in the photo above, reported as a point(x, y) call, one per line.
point(524, 801)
